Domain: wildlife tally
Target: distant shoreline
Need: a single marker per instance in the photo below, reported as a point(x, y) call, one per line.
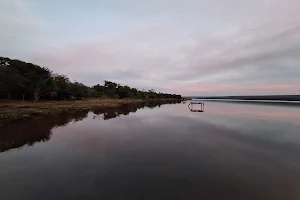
point(253, 97)
point(274, 102)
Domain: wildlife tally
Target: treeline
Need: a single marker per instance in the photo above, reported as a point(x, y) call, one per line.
point(21, 80)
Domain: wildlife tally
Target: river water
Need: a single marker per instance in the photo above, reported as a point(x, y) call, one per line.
point(230, 151)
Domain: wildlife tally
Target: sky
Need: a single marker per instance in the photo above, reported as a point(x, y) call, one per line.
point(188, 47)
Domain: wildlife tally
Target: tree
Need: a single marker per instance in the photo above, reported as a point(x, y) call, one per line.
point(152, 94)
point(10, 80)
point(79, 91)
point(111, 85)
point(125, 92)
point(111, 88)
point(41, 82)
point(63, 86)
point(101, 90)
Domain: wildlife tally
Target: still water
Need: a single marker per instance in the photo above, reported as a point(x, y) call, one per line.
point(231, 151)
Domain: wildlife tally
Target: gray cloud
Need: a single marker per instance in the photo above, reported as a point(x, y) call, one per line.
point(194, 47)
point(275, 55)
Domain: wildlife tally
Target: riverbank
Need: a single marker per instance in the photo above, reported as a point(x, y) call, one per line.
point(18, 110)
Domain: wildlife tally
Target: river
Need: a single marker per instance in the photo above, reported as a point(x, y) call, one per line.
point(230, 151)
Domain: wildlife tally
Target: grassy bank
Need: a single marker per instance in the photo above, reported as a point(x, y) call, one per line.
point(16, 110)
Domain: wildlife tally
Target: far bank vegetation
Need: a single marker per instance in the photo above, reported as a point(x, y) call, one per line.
point(27, 81)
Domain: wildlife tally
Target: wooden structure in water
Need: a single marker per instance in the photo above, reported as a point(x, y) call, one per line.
point(190, 106)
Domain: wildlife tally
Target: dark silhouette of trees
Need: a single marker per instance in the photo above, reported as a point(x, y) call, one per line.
point(11, 80)
point(62, 86)
point(21, 80)
point(40, 81)
point(18, 78)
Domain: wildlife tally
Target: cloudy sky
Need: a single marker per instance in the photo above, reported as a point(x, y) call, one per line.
point(191, 47)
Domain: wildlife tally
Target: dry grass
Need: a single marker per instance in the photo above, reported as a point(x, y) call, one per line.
point(14, 110)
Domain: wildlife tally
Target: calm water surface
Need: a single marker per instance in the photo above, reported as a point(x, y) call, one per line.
point(231, 151)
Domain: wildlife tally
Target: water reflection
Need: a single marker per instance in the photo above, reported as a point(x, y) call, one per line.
point(131, 108)
point(229, 152)
point(17, 134)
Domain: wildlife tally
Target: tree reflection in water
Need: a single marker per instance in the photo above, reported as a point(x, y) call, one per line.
point(17, 134)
